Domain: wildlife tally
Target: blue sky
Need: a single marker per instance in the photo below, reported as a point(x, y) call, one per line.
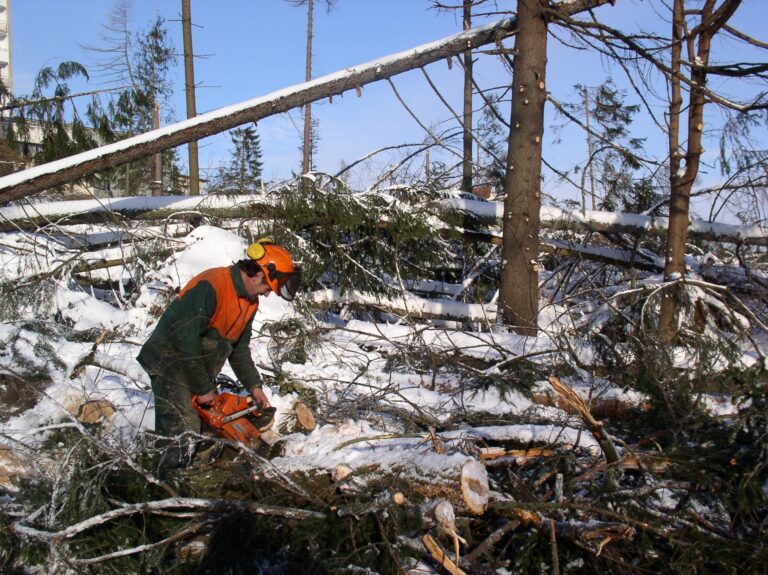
point(249, 48)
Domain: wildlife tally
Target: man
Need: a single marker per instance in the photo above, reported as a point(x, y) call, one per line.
point(208, 324)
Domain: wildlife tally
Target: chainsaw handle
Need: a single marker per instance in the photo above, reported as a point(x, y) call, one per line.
point(196, 401)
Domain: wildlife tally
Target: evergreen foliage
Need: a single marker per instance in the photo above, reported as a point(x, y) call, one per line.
point(366, 242)
point(614, 171)
point(64, 130)
point(49, 110)
point(314, 141)
point(130, 111)
point(243, 173)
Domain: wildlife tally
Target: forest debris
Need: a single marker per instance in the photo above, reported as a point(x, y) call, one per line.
point(88, 359)
point(528, 517)
point(645, 462)
point(200, 505)
point(474, 486)
point(440, 555)
point(636, 461)
point(608, 407)
point(437, 441)
point(341, 472)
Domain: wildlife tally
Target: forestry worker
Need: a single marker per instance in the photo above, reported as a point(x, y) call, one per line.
point(208, 324)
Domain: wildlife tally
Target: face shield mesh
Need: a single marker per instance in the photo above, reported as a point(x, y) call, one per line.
point(287, 282)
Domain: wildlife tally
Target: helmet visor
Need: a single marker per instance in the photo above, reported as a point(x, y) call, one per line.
point(287, 282)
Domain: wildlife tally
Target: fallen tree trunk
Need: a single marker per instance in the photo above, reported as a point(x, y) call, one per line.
point(490, 213)
point(154, 208)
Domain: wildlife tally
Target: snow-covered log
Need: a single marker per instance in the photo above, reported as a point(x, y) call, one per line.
point(135, 207)
point(615, 222)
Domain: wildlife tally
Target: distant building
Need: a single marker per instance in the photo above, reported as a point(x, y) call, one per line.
point(6, 69)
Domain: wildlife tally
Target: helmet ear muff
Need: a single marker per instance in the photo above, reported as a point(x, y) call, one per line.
point(256, 250)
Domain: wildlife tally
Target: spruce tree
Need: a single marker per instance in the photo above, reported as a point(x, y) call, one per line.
point(243, 173)
point(50, 110)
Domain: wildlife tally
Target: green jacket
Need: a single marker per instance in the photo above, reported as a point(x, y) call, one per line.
point(207, 324)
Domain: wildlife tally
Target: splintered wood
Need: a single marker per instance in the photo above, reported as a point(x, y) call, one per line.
point(489, 453)
point(441, 556)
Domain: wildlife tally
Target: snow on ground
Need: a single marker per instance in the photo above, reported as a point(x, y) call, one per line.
point(346, 370)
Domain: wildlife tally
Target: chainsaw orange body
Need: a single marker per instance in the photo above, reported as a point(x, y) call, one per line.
point(235, 417)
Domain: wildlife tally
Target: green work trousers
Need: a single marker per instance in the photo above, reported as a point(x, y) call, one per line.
point(175, 418)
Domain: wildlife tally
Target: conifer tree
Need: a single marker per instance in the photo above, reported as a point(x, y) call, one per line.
point(140, 62)
point(243, 173)
point(610, 177)
point(50, 110)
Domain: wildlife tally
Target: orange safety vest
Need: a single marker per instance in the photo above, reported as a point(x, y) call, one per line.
point(233, 312)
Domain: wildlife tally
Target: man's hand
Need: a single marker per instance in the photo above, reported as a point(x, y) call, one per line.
point(207, 399)
point(259, 397)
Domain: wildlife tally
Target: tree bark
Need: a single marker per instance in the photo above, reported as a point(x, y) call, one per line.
point(189, 86)
point(518, 293)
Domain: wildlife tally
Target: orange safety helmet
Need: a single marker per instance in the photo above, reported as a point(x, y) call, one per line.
point(281, 275)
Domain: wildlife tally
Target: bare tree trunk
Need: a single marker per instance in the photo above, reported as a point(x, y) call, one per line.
point(189, 86)
point(681, 176)
point(306, 163)
point(157, 168)
point(466, 180)
point(518, 293)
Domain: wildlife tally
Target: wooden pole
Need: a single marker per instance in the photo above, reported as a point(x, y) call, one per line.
point(189, 86)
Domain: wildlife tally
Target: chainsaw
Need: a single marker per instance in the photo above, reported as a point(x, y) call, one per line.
point(235, 417)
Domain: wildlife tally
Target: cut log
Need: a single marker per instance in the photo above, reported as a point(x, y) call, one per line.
point(95, 411)
point(299, 419)
point(304, 416)
point(13, 467)
point(474, 486)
